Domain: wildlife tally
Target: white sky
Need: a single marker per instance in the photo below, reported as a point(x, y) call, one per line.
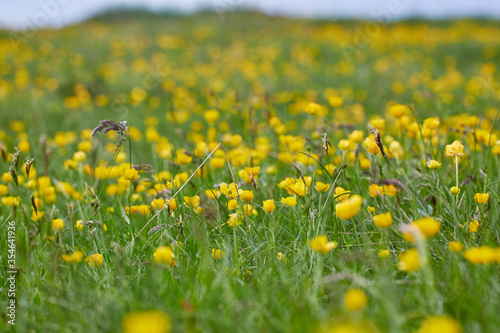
point(22, 13)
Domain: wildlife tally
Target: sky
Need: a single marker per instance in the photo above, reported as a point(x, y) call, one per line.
point(29, 14)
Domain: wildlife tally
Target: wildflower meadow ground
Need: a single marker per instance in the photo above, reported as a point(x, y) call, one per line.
point(246, 173)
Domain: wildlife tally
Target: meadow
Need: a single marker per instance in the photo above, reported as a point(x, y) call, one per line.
point(236, 172)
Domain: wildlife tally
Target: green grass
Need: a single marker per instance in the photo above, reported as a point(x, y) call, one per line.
point(243, 65)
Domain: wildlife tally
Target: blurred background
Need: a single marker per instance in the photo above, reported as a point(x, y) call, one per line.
point(57, 13)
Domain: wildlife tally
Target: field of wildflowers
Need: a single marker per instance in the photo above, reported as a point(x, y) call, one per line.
point(248, 173)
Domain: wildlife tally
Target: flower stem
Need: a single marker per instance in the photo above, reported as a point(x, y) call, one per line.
point(456, 173)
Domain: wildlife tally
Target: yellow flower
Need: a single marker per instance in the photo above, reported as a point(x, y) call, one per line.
point(10, 201)
point(172, 204)
point(37, 216)
point(79, 225)
point(232, 204)
point(212, 194)
point(384, 254)
point(77, 256)
point(433, 164)
point(456, 149)
point(356, 136)
point(473, 226)
point(183, 157)
point(130, 174)
point(269, 205)
point(246, 195)
point(344, 144)
point(57, 224)
point(440, 324)
point(164, 255)
point(299, 189)
point(373, 148)
point(254, 171)
point(383, 220)
point(480, 255)
point(355, 299)
point(378, 123)
point(141, 209)
point(424, 227)
point(217, 162)
point(454, 190)
point(313, 108)
point(341, 194)
point(335, 101)
point(390, 190)
point(94, 260)
point(84, 146)
point(349, 207)
point(281, 257)
point(432, 122)
point(211, 116)
point(289, 201)
point(192, 202)
point(229, 190)
point(397, 110)
point(216, 254)
point(321, 244)
point(147, 322)
point(410, 261)
point(455, 246)
point(234, 220)
point(248, 209)
point(376, 190)
point(3, 190)
point(70, 164)
point(24, 146)
point(157, 203)
point(6, 177)
point(481, 198)
point(322, 187)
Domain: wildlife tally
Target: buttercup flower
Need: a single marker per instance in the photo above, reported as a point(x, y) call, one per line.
point(455, 190)
point(355, 299)
point(455, 246)
point(473, 226)
point(192, 202)
point(321, 244)
point(147, 322)
point(57, 224)
point(340, 194)
point(269, 205)
point(130, 174)
point(425, 227)
point(440, 324)
point(164, 255)
point(94, 260)
point(433, 164)
point(480, 255)
point(216, 254)
point(383, 220)
point(289, 201)
point(410, 261)
point(349, 208)
point(76, 256)
point(322, 187)
point(456, 149)
point(481, 198)
point(246, 195)
point(375, 190)
point(384, 254)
